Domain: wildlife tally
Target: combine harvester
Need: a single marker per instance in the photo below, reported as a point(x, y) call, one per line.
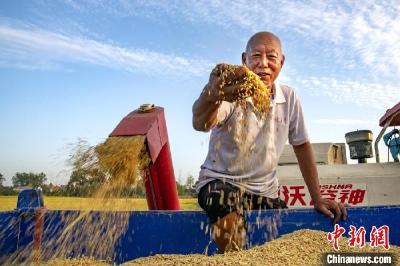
point(29, 232)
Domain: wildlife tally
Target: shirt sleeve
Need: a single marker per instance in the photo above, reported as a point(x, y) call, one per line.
point(297, 129)
point(224, 112)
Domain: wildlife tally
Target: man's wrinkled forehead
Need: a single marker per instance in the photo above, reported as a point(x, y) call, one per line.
point(264, 38)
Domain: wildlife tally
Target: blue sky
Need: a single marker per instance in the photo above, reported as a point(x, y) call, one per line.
point(73, 69)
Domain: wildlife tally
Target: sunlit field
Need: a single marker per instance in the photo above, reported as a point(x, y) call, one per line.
point(72, 203)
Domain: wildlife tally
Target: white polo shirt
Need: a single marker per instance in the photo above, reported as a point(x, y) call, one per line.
point(245, 147)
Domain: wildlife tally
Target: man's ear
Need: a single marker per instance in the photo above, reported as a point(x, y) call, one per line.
point(244, 58)
point(283, 60)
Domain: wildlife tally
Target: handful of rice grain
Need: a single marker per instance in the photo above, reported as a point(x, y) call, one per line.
point(250, 86)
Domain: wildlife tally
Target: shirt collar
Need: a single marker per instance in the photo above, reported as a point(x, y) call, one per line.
point(279, 96)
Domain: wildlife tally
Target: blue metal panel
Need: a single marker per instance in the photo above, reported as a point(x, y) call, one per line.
point(17, 227)
point(292, 220)
point(30, 198)
point(16, 235)
point(8, 234)
point(152, 233)
point(56, 223)
point(183, 232)
point(161, 232)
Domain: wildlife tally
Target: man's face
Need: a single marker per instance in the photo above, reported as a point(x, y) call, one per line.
point(264, 57)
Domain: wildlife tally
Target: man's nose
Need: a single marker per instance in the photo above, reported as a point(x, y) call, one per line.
point(264, 61)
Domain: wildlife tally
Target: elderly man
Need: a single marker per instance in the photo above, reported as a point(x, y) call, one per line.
point(239, 173)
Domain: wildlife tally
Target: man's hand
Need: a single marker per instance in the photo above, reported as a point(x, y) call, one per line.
point(219, 88)
point(221, 85)
point(308, 169)
point(332, 209)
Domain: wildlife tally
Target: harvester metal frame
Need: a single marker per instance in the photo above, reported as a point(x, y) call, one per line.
point(391, 118)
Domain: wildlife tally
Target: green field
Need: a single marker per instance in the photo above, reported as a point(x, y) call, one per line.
point(72, 203)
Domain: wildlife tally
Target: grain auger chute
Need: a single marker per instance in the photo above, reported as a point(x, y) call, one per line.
point(159, 178)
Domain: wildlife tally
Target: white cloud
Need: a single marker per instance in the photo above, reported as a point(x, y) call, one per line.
point(33, 47)
point(356, 35)
point(367, 95)
point(365, 31)
point(346, 92)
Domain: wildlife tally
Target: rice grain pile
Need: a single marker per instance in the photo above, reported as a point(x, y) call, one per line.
point(303, 247)
point(250, 85)
point(75, 262)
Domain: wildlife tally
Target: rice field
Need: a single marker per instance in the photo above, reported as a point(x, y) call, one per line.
point(73, 203)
